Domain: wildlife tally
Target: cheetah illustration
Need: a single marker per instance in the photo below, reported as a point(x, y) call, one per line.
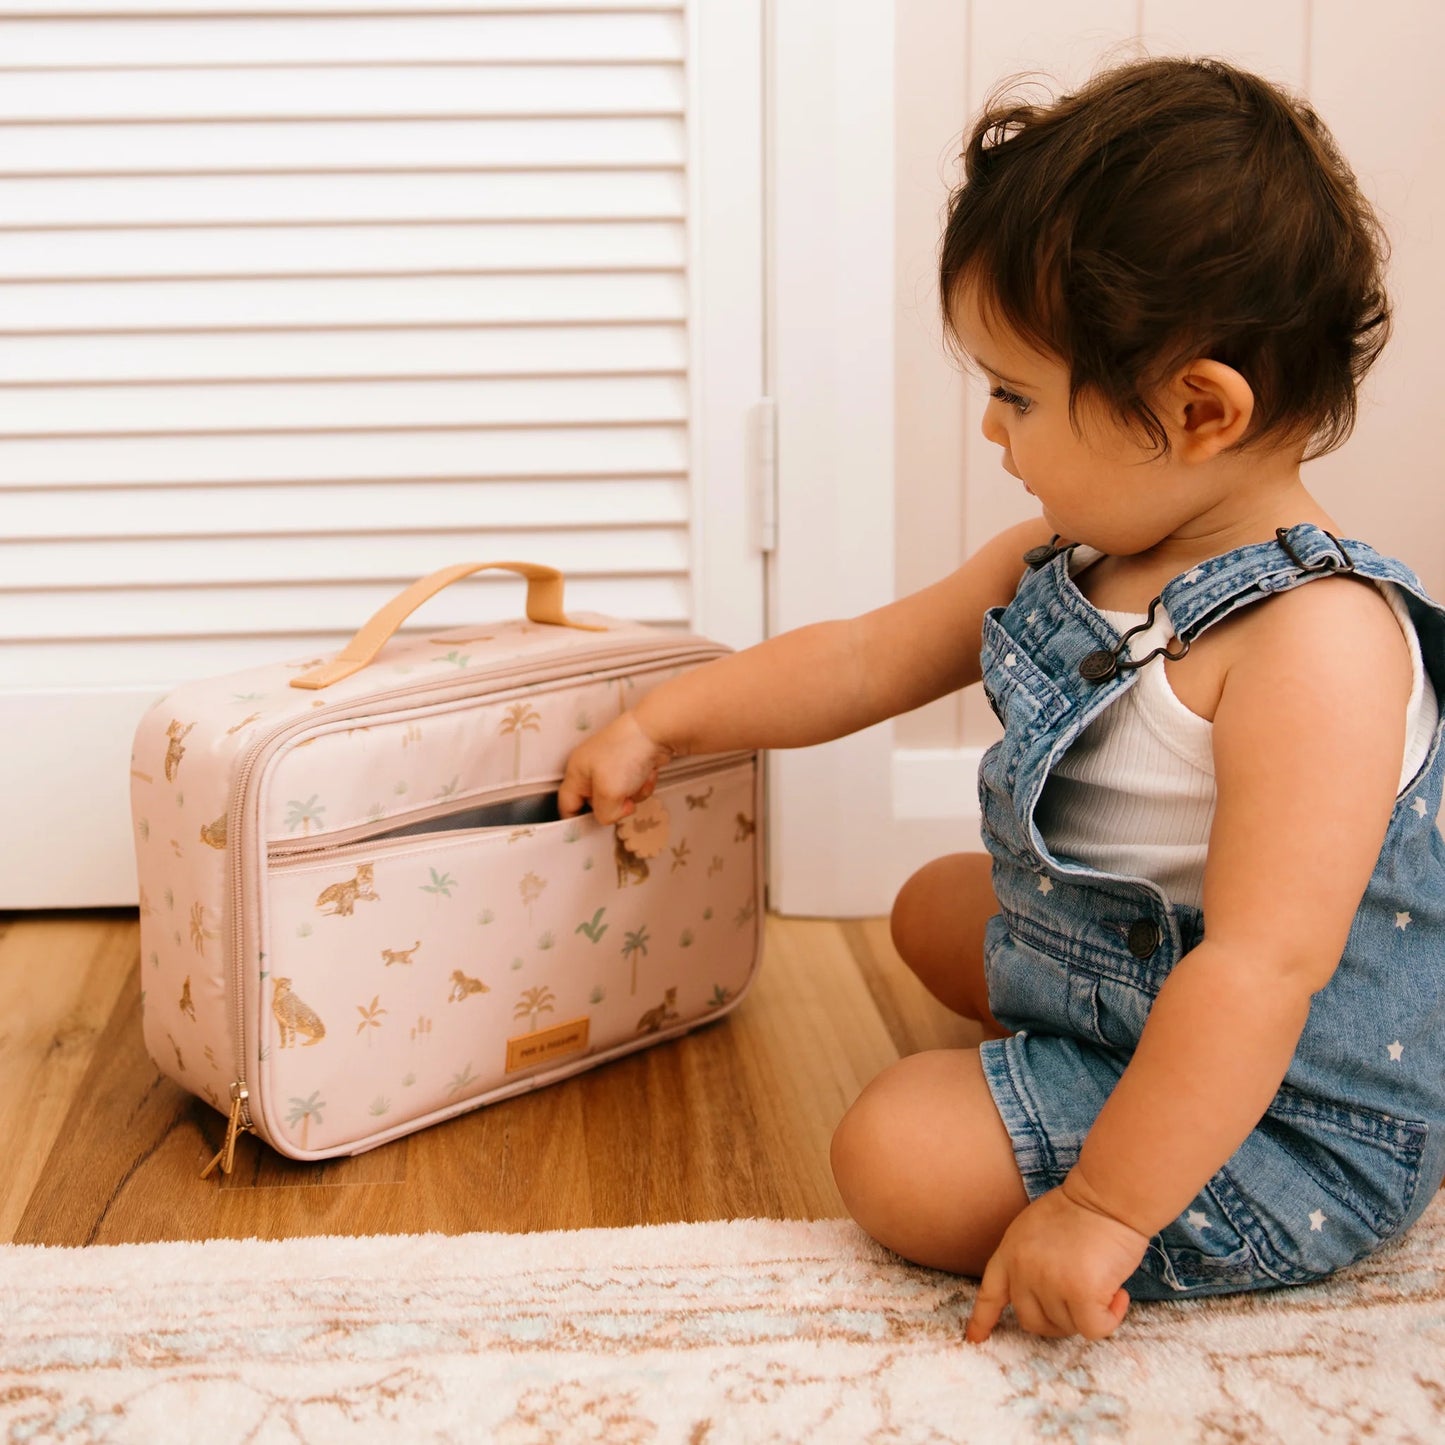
point(341, 897)
point(176, 732)
point(245, 722)
point(664, 1013)
point(390, 956)
point(630, 868)
point(463, 987)
point(745, 829)
point(213, 835)
point(698, 800)
point(187, 1007)
point(295, 1017)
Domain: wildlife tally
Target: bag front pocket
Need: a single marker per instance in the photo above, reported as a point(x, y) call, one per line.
point(449, 958)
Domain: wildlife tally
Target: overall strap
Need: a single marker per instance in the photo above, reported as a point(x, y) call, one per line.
point(1207, 594)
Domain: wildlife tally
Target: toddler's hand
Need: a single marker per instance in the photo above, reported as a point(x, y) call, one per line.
point(1061, 1265)
point(614, 771)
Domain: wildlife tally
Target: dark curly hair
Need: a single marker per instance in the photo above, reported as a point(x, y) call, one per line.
point(1174, 209)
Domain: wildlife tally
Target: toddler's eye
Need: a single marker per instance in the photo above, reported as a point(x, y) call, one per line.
point(1020, 404)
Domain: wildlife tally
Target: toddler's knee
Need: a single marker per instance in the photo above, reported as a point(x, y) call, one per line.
point(910, 922)
point(849, 1150)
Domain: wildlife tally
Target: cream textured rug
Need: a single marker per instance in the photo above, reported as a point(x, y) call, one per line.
point(752, 1331)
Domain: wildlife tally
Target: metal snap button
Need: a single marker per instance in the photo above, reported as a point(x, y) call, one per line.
point(1099, 666)
point(1143, 937)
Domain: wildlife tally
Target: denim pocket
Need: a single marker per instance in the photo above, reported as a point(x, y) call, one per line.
point(1114, 1012)
point(1365, 1160)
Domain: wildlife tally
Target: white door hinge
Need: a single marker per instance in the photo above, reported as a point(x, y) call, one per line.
point(764, 425)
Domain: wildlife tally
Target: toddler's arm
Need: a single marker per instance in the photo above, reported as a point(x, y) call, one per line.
point(807, 686)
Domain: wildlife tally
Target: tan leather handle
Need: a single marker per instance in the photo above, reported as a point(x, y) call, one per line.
point(544, 604)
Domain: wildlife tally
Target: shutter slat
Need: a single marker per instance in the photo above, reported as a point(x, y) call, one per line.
point(317, 406)
point(331, 146)
point(144, 9)
point(347, 456)
point(356, 92)
point(48, 569)
point(342, 39)
point(332, 200)
point(369, 250)
point(105, 614)
point(458, 507)
point(491, 351)
point(329, 301)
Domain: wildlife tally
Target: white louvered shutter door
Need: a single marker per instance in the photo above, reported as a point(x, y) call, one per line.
point(299, 301)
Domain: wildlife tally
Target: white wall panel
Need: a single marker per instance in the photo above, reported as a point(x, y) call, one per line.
point(1377, 84)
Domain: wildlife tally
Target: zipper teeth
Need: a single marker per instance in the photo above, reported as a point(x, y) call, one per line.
point(643, 652)
point(367, 834)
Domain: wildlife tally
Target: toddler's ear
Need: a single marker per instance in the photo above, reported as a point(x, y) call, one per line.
point(1210, 407)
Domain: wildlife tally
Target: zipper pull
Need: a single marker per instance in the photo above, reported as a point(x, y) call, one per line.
point(226, 1155)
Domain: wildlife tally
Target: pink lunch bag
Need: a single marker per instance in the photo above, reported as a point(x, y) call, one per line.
point(360, 911)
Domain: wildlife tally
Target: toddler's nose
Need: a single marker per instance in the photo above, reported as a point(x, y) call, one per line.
point(993, 429)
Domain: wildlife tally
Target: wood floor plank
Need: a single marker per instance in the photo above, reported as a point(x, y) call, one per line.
point(60, 977)
point(809, 1044)
point(914, 1018)
point(731, 1120)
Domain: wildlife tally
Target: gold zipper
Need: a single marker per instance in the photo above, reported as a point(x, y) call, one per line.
point(226, 1155)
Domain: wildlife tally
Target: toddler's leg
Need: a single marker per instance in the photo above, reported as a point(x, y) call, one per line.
point(925, 1165)
point(937, 924)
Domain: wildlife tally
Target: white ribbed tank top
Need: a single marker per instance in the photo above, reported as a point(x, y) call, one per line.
point(1134, 794)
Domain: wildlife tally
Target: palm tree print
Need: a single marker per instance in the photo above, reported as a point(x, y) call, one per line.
point(199, 932)
point(461, 1080)
point(303, 1111)
point(531, 890)
point(535, 1001)
point(441, 884)
point(370, 1018)
point(520, 717)
point(636, 944)
point(594, 929)
point(303, 815)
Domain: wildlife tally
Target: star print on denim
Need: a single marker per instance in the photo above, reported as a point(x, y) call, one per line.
point(1403, 921)
point(1418, 807)
point(1317, 1221)
point(1395, 1050)
point(1046, 886)
point(1197, 1220)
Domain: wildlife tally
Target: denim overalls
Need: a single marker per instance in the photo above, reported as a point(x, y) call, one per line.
point(1353, 1146)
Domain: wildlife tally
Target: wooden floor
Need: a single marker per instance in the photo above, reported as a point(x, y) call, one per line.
point(730, 1121)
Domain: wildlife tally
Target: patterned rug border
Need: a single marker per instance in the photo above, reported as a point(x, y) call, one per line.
point(712, 1334)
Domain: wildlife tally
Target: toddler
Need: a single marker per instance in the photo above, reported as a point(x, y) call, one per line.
point(1207, 945)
